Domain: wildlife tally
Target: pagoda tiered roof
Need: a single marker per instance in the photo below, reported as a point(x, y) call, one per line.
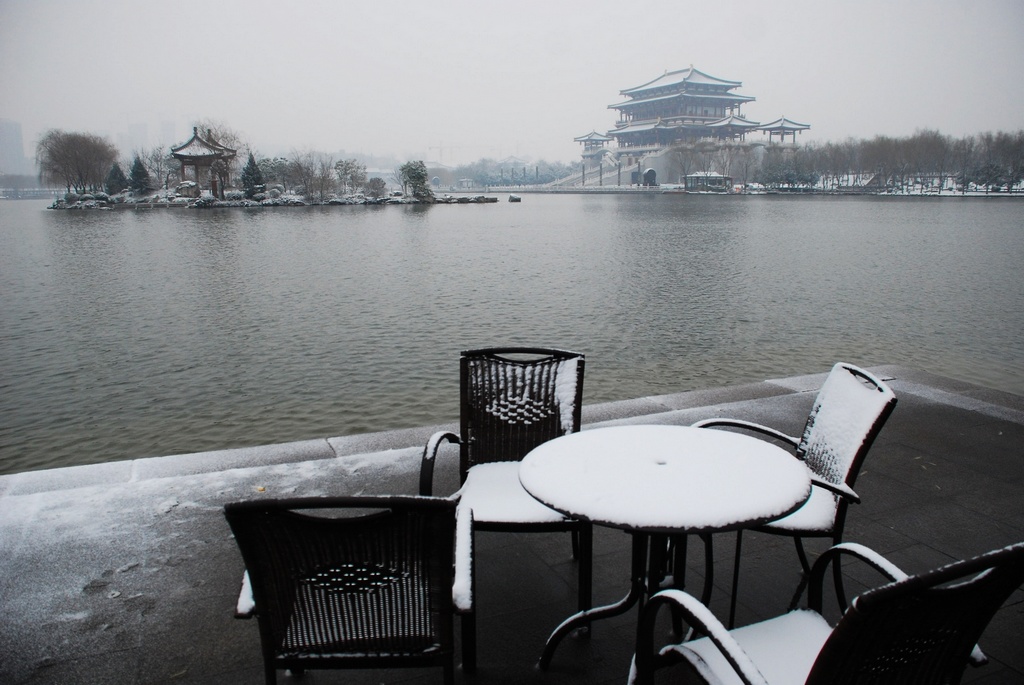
point(638, 102)
point(674, 79)
point(644, 126)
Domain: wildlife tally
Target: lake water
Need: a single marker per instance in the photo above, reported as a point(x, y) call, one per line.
point(139, 333)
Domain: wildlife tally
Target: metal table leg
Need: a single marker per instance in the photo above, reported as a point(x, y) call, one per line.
point(637, 590)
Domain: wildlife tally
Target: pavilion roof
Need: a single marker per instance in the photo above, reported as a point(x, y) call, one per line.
point(733, 121)
point(784, 124)
point(199, 147)
point(681, 77)
point(593, 136)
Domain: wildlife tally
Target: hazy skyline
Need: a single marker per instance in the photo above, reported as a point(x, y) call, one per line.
point(454, 81)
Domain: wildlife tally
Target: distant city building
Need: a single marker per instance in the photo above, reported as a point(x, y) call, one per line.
point(168, 132)
point(134, 140)
point(12, 149)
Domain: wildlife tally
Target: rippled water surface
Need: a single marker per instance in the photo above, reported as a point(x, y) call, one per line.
point(138, 333)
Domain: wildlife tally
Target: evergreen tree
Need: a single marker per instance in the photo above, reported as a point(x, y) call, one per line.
point(116, 180)
point(252, 178)
point(414, 177)
point(375, 187)
point(138, 179)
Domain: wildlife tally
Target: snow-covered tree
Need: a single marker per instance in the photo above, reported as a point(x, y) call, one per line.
point(138, 178)
point(375, 187)
point(414, 177)
point(116, 180)
point(351, 174)
point(252, 177)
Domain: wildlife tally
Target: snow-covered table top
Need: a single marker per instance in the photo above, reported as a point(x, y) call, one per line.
point(666, 478)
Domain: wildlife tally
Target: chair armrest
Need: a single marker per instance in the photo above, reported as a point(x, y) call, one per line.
point(463, 588)
point(750, 426)
point(698, 617)
point(246, 605)
point(832, 554)
point(877, 562)
point(429, 455)
point(842, 489)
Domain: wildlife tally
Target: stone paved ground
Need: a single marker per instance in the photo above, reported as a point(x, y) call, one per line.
point(126, 572)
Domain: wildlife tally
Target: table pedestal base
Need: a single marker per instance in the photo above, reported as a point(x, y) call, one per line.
point(646, 576)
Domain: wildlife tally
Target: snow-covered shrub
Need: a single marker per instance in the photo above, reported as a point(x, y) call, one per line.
point(234, 195)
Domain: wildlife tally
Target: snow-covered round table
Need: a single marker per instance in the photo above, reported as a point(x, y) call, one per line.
point(654, 480)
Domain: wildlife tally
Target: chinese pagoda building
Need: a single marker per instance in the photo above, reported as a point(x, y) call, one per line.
point(201, 154)
point(679, 106)
point(674, 115)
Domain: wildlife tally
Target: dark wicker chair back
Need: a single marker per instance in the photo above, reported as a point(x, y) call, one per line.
point(919, 630)
point(514, 399)
point(369, 589)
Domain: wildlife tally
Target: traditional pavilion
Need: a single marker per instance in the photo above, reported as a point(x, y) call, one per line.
point(593, 145)
point(679, 105)
point(201, 154)
point(783, 127)
point(733, 127)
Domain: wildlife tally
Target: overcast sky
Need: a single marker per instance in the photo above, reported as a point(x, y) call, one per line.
point(453, 81)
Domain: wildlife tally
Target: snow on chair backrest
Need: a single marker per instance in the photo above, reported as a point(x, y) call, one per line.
point(849, 411)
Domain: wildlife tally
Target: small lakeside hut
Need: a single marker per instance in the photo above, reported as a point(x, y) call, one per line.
point(201, 154)
point(707, 182)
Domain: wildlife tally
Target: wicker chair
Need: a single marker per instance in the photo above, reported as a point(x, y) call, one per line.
point(847, 415)
point(917, 629)
point(355, 582)
point(513, 399)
